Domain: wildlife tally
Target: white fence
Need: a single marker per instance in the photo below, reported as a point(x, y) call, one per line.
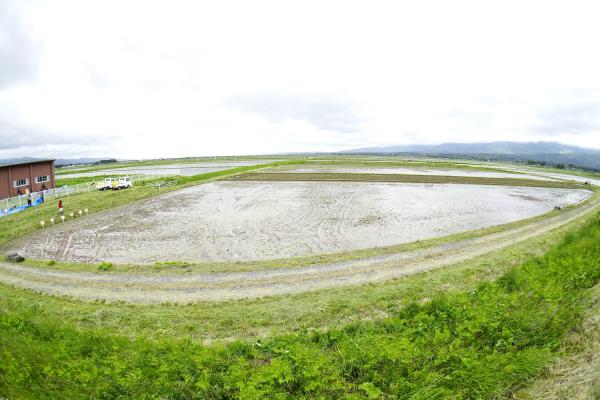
point(161, 184)
point(17, 202)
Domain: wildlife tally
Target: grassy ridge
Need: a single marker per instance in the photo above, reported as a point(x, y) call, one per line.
point(475, 344)
point(401, 178)
point(409, 163)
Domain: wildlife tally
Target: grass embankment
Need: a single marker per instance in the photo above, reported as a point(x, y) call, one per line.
point(562, 171)
point(401, 178)
point(575, 375)
point(320, 310)
point(479, 343)
point(24, 222)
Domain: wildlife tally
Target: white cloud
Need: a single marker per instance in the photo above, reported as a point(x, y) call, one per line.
point(149, 79)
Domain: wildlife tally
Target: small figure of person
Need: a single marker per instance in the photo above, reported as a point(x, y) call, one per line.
point(60, 207)
point(44, 188)
point(42, 197)
point(29, 200)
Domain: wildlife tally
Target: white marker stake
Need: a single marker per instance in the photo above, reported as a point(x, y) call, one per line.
point(52, 220)
point(71, 215)
point(80, 212)
point(85, 210)
point(62, 218)
point(42, 223)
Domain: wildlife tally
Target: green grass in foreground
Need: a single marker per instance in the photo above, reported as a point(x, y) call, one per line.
point(479, 343)
point(575, 375)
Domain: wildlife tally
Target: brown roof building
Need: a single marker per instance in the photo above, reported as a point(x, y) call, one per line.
point(35, 175)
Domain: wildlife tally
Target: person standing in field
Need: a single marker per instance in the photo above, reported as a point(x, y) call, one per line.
point(60, 207)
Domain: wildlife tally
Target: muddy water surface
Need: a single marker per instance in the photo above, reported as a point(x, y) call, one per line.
point(186, 169)
point(230, 220)
point(409, 171)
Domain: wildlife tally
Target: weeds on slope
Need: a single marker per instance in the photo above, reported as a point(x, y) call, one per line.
point(477, 344)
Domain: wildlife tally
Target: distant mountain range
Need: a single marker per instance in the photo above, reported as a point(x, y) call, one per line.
point(551, 153)
point(480, 148)
point(544, 153)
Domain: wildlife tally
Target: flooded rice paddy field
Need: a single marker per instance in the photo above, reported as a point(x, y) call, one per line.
point(564, 177)
point(239, 221)
point(183, 169)
point(407, 171)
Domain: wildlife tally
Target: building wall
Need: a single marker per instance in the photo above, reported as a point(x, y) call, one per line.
point(4, 183)
point(45, 169)
point(30, 172)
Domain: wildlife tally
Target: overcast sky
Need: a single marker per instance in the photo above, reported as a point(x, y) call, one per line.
point(140, 79)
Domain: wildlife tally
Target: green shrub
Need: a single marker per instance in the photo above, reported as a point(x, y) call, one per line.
point(105, 266)
point(51, 263)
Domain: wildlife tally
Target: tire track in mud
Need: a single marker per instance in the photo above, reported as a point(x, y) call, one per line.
point(151, 289)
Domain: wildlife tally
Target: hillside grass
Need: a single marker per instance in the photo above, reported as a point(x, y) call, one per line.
point(483, 342)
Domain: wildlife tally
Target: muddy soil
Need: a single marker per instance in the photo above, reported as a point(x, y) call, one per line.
point(240, 221)
point(407, 171)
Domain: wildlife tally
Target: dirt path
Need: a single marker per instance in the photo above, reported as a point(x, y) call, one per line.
point(148, 289)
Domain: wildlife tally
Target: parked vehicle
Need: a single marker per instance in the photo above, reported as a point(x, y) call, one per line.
point(123, 182)
point(107, 184)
